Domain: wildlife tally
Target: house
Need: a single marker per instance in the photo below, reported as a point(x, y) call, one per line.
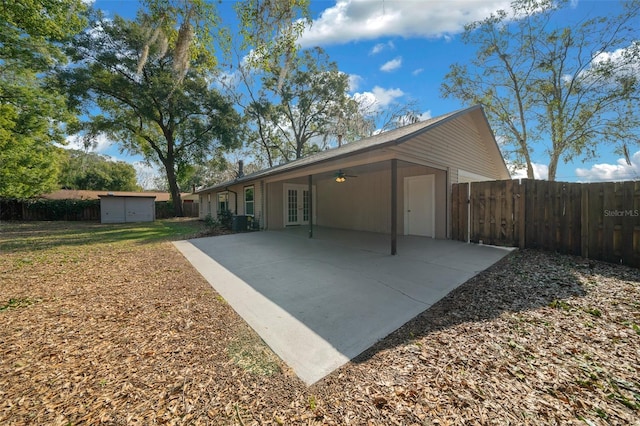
point(397, 182)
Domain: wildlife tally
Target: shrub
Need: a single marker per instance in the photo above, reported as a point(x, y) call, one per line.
point(211, 222)
point(225, 217)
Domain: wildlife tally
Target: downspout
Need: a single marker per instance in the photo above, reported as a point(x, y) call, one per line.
point(394, 207)
point(263, 204)
point(468, 212)
point(310, 206)
point(235, 195)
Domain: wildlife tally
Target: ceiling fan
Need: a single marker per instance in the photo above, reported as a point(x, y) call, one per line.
point(341, 176)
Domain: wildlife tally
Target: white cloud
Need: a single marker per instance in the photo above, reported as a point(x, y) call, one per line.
point(146, 175)
point(392, 65)
point(417, 71)
point(350, 20)
point(378, 97)
point(354, 82)
point(425, 115)
point(382, 46)
point(625, 60)
point(386, 96)
point(540, 171)
point(612, 172)
point(100, 144)
point(622, 62)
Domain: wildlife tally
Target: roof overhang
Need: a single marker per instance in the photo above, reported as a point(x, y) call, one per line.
point(358, 151)
point(153, 197)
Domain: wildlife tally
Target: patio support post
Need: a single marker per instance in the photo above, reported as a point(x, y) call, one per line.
point(394, 207)
point(310, 206)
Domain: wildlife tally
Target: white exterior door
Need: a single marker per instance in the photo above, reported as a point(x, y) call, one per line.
point(296, 205)
point(419, 205)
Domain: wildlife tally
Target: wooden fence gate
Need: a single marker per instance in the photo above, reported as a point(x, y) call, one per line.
point(594, 220)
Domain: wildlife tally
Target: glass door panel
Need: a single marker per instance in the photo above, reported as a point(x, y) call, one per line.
point(292, 206)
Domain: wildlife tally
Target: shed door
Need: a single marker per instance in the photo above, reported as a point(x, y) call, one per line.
point(139, 210)
point(419, 215)
point(112, 210)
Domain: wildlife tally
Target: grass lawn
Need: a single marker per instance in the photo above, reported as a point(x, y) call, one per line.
point(109, 324)
point(36, 236)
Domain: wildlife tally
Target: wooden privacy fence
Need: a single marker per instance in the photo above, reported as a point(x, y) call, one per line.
point(594, 220)
point(74, 210)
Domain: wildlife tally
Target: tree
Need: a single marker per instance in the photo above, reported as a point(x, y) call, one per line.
point(153, 88)
point(32, 113)
point(91, 171)
point(370, 117)
point(572, 87)
point(293, 116)
point(270, 29)
point(306, 108)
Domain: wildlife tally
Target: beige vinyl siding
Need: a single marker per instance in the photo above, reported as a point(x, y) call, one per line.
point(257, 202)
point(453, 176)
point(207, 204)
point(301, 176)
point(364, 203)
point(274, 205)
point(361, 203)
point(211, 208)
point(455, 144)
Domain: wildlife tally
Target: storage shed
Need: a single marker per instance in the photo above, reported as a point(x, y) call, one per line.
point(127, 208)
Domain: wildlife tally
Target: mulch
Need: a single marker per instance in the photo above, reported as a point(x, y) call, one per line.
point(132, 334)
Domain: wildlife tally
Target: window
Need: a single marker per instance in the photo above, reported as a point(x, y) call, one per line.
point(223, 202)
point(249, 201)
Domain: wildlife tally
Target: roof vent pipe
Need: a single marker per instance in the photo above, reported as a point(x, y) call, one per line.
point(240, 168)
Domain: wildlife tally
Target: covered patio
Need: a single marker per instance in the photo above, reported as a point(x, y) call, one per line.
point(391, 197)
point(320, 302)
point(396, 183)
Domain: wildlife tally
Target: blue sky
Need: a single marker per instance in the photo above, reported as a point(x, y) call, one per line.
point(401, 50)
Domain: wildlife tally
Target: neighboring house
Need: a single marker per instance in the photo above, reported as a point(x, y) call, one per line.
point(81, 194)
point(123, 206)
point(397, 182)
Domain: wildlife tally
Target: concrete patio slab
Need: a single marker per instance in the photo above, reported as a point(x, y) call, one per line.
point(320, 302)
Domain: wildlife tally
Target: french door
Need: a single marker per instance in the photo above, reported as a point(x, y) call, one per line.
point(297, 209)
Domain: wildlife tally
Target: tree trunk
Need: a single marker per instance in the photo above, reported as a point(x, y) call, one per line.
point(530, 174)
point(553, 167)
point(527, 159)
point(175, 191)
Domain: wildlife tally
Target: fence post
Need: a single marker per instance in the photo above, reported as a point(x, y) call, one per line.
point(584, 219)
point(522, 213)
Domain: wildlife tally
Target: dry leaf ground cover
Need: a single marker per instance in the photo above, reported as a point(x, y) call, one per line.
point(109, 324)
